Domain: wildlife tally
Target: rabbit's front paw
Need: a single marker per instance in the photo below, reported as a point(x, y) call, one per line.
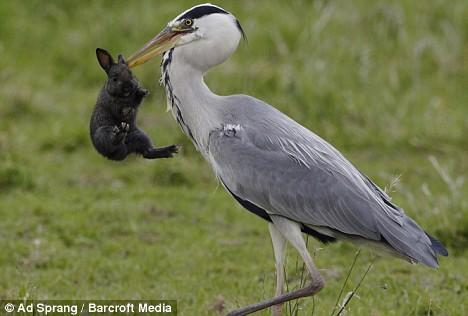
point(120, 132)
point(142, 92)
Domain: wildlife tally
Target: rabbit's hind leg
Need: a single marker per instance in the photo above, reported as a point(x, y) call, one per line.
point(161, 152)
point(138, 142)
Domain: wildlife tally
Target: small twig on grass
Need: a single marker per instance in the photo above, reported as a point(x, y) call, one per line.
point(351, 294)
point(287, 289)
point(345, 282)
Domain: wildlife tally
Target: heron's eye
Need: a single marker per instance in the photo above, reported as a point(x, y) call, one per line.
point(188, 22)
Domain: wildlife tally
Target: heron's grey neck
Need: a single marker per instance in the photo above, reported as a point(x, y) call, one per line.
point(191, 102)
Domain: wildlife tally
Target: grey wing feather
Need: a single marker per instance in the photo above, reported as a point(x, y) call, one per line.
point(268, 159)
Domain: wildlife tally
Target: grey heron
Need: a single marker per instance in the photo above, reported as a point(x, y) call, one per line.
point(272, 165)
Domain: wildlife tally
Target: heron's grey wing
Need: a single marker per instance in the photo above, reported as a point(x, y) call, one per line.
point(276, 164)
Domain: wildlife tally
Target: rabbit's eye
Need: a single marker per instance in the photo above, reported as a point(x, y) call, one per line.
point(188, 22)
point(115, 79)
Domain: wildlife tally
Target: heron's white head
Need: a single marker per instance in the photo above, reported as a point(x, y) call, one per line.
point(203, 36)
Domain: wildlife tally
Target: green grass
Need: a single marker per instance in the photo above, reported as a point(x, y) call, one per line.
point(385, 82)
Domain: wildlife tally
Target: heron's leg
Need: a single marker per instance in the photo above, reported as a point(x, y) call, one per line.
point(279, 250)
point(292, 232)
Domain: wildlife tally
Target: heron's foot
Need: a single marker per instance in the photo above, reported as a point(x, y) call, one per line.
point(310, 290)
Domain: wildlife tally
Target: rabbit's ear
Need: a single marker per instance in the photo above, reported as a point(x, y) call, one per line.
point(104, 58)
point(122, 60)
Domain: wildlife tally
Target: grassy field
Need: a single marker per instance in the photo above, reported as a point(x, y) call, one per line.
point(385, 82)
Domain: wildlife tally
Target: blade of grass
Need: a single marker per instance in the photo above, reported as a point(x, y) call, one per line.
point(295, 308)
point(345, 282)
point(353, 292)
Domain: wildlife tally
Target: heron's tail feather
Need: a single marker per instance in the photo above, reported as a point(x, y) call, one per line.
point(412, 242)
point(437, 246)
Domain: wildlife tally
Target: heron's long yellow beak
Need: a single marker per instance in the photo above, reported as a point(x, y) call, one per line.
point(158, 45)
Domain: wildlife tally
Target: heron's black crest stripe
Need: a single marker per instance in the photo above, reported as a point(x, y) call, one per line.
point(263, 214)
point(241, 29)
point(201, 11)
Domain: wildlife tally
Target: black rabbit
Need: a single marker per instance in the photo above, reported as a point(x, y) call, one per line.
point(113, 123)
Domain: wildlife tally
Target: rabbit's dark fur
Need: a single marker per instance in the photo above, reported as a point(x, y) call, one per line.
point(113, 123)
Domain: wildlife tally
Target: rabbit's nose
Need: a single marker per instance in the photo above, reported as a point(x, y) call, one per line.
point(127, 88)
